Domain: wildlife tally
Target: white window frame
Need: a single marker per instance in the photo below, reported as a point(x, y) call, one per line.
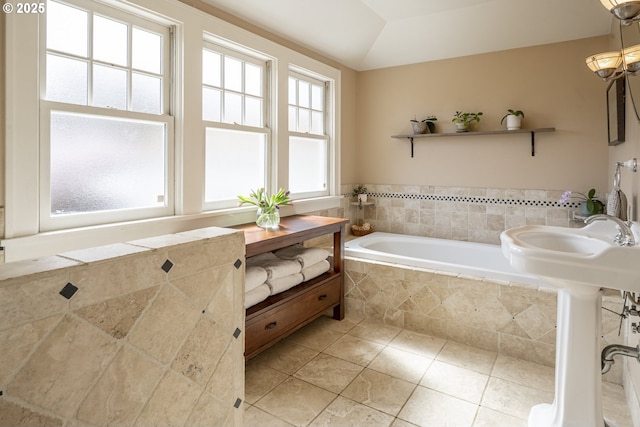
point(325, 83)
point(50, 222)
point(226, 48)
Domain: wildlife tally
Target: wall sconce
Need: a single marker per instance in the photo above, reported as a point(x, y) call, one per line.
point(612, 65)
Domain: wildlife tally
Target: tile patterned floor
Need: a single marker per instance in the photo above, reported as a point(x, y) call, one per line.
point(362, 373)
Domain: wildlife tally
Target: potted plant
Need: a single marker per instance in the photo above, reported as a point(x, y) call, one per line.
point(424, 125)
point(360, 193)
point(464, 120)
point(589, 204)
point(268, 214)
point(514, 119)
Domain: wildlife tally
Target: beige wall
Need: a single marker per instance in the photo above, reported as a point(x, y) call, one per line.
point(550, 83)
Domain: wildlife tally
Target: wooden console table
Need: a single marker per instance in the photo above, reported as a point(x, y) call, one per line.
point(282, 314)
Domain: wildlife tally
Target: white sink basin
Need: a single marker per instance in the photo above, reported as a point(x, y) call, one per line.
point(579, 262)
point(584, 255)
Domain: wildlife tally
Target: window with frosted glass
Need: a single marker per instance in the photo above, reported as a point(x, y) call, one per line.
point(101, 61)
point(234, 163)
point(232, 89)
point(106, 86)
point(103, 163)
point(307, 165)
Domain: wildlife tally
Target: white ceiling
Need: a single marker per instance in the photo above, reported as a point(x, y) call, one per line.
point(370, 34)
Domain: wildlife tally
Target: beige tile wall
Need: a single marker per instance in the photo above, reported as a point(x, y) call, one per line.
point(509, 318)
point(459, 213)
point(146, 339)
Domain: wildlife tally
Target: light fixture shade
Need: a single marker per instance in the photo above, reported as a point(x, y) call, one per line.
point(604, 64)
point(623, 9)
point(632, 58)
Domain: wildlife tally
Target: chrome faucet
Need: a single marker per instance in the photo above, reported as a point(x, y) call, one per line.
point(624, 236)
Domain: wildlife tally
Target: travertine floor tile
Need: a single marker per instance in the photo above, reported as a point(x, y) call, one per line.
point(256, 417)
point(329, 372)
point(354, 349)
point(455, 381)
point(295, 401)
point(401, 364)
point(375, 331)
point(424, 345)
point(259, 380)
point(614, 405)
point(467, 357)
point(347, 413)
point(513, 399)
point(379, 391)
point(286, 356)
point(316, 336)
point(489, 418)
point(524, 372)
point(431, 408)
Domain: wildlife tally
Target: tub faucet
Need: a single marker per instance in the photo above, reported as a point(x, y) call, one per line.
point(624, 236)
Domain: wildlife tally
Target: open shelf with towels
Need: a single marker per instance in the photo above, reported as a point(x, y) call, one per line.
point(532, 132)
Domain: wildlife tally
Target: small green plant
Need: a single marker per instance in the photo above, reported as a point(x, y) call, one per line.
point(512, 113)
point(593, 205)
point(466, 118)
point(268, 203)
point(359, 190)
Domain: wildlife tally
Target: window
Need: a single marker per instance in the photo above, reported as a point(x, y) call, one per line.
point(234, 117)
point(308, 140)
point(107, 137)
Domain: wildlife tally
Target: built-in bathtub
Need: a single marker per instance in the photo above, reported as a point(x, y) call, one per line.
point(484, 261)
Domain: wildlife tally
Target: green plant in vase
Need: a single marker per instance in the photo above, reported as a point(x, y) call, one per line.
point(268, 214)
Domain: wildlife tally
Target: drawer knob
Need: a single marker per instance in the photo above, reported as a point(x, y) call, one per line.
point(270, 326)
point(322, 297)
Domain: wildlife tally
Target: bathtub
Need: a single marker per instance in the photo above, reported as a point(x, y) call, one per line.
point(478, 260)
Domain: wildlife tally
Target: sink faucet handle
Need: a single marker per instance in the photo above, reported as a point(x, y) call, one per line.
point(625, 235)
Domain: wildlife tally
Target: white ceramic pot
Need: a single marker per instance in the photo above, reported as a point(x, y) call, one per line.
point(362, 198)
point(513, 122)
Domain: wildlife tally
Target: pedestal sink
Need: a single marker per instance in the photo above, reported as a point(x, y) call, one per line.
point(579, 262)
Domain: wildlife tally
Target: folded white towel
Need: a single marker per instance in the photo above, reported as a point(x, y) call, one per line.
point(275, 267)
point(315, 270)
point(305, 256)
point(256, 295)
point(254, 276)
point(284, 283)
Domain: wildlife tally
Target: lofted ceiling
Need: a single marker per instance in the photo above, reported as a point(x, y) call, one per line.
point(371, 34)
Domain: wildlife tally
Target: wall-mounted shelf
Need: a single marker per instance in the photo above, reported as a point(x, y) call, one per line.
point(490, 132)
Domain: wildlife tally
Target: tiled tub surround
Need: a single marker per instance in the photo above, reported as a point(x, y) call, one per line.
point(146, 333)
point(459, 213)
point(508, 318)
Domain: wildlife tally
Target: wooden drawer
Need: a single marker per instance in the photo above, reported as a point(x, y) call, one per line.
point(274, 324)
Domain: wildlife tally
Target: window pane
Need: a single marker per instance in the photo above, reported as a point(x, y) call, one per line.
point(211, 109)
point(317, 97)
point(146, 96)
point(146, 51)
point(253, 79)
point(66, 80)
point(232, 108)
point(236, 154)
point(317, 123)
point(304, 120)
point(109, 87)
point(100, 163)
point(307, 165)
point(211, 68)
point(303, 94)
point(232, 74)
point(252, 111)
point(293, 91)
point(66, 29)
point(110, 41)
point(293, 118)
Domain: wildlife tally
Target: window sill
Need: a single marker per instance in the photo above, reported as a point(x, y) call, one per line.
point(55, 242)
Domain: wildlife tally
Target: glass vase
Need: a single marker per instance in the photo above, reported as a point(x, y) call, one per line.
point(267, 219)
